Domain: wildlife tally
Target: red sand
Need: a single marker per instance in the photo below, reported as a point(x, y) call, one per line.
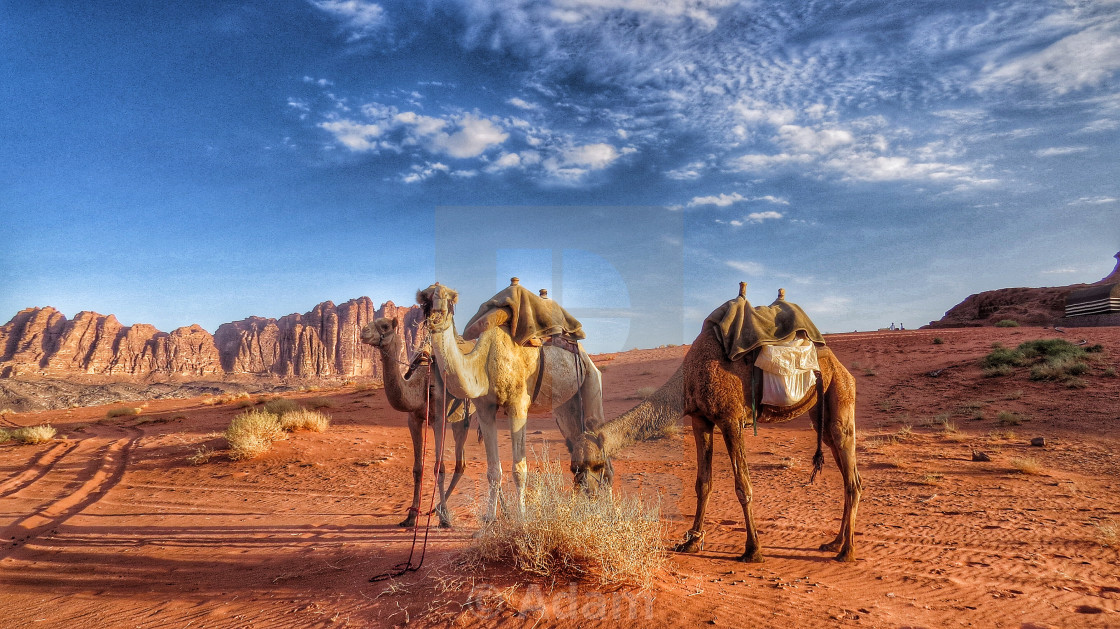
point(112, 526)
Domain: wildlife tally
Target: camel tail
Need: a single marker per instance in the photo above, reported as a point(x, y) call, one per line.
point(818, 457)
point(650, 419)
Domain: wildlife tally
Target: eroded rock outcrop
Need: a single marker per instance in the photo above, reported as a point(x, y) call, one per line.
point(1027, 306)
point(324, 342)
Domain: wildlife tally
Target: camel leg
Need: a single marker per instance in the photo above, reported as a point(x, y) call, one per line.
point(702, 432)
point(840, 436)
point(439, 427)
point(416, 431)
point(460, 430)
point(487, 423)
point(518, 416)
point(736, 449)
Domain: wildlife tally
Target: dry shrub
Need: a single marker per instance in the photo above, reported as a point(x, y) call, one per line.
point(202, 454)
point(279, 406)
point(563, 533)
point(251, 434)
point(7, 411)
point(34, 434)
point(122, 411)
point(321, 402)
point(1008, 418)
point(1025, 465)
point(789, 462)
point(643, 392)
point(5, 436)
point(304, 419)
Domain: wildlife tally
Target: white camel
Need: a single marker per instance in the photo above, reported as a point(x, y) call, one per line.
point(500, 373)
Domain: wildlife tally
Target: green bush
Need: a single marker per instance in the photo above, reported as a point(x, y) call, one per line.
point(1007, 323)
point(937, 340)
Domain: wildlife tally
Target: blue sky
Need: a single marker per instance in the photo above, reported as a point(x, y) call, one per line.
point(202, 162)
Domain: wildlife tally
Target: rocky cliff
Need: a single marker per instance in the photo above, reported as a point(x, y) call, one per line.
point(324, 342)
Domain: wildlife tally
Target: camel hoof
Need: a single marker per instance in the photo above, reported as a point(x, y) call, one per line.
point(752, 557)
point(689, 546)
point(846, 556)
point(831, 546)
point(444, 524)
point(408, 522)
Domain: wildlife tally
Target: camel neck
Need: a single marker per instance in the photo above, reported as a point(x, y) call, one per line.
point(402, 397)
point(464, 374)
point(648, 419)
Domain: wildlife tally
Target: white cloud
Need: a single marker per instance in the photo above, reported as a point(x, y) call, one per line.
point(472, 138)
point(1084, 59)
point(758, 217)
point(459, 136)
point(1060, 150)
point(522, 104)
point(1093, 200)
point(772, 199)
point(687, 172)
point(355, 136)
point(360, 18)
point(720, 200)
point(809, 140)
point(750, 268)
point(419, 173)
point(593, 156)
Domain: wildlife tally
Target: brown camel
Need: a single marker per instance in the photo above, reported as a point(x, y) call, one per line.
point(411, 395)
point(713, 391)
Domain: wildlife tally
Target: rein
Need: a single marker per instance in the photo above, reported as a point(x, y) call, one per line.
point(407, 566)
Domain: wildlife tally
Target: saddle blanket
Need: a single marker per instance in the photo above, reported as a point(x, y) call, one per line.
point(787, 371)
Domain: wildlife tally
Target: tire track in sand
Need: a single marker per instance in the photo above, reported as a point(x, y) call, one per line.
point(96, 480)
point(38, 468)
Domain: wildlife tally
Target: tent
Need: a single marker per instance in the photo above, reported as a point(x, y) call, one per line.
point(1101, 299)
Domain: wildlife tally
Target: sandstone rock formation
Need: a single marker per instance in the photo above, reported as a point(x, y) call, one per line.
point(321, 343)
point(1026, 306)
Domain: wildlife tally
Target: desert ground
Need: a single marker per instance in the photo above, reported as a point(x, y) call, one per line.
point(113, 525)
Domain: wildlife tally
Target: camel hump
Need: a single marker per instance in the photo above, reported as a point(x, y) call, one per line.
point(526, 316)
point(741, 328)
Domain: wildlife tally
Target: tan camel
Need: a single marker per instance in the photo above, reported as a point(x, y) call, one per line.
point(499, 373)
point(713, 391)
point(411, 395)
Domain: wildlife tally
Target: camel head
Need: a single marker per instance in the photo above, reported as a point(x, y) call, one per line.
point(590, 465)
point(379, 332)
point(438, 304)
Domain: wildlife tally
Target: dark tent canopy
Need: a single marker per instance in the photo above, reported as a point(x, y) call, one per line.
point(1103, 299)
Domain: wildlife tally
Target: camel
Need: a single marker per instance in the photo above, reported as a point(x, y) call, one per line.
point(500, 373)
point(713, 391)
point(417, 397)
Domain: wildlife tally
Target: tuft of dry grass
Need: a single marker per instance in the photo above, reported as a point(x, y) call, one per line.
point(321, 402)
point(1107, 534)
point(789, 462)
point(251, 434)
point(34, 434)
point(930, 479)
point(1007, 418)
point(562, 533)
point(304, 419)
point(202, 454)
point(1002, 434)
point(5, 436)
point(643, 392)
point(1025, 465)
point(279, 406)
point(122, 411)
point(6, 411)
point(905, 432)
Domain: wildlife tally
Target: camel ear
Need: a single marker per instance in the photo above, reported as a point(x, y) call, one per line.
point(452, 296)
point(396, 323)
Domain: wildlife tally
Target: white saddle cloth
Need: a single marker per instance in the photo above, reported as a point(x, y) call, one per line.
point(787, 371)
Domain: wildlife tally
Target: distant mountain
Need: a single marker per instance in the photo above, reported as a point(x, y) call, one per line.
point(325, 342)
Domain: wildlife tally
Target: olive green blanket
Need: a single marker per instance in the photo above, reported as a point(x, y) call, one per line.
point(527, 315)
point(741, 328)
